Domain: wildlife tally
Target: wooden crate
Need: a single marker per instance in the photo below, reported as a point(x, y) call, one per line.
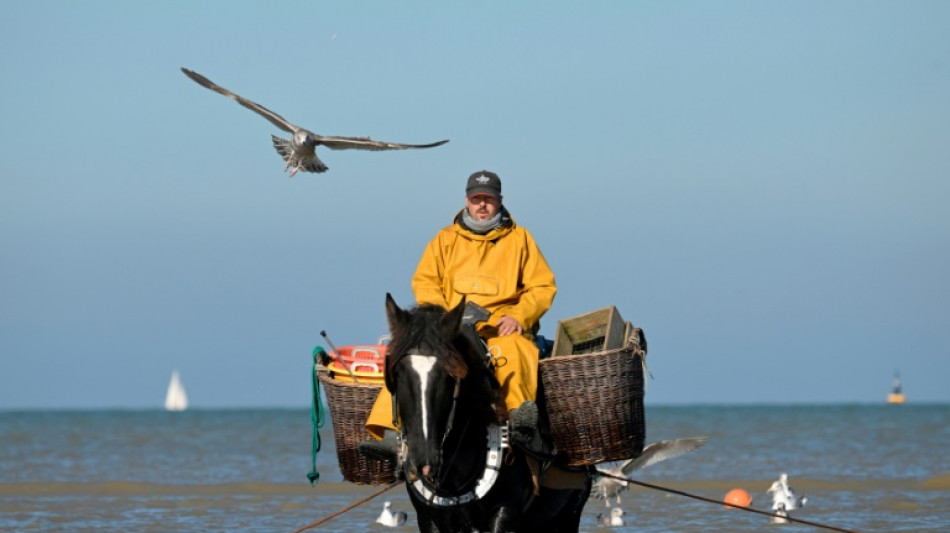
point(596, 331)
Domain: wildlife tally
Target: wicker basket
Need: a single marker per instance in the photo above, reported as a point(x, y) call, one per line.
point(350, 404)
point(595, 404)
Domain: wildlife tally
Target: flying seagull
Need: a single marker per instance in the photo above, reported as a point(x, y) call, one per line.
point(606, 488)
point(300, 151)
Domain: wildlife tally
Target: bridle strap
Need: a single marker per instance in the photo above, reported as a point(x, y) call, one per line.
point(448, 426)
point(497, 443)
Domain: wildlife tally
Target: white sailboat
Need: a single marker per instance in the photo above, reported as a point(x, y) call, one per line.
point(176, 399)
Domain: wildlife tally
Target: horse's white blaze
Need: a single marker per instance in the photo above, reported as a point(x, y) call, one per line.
point(422, 365)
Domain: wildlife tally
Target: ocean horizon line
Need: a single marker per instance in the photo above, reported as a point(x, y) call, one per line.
point(209, 408)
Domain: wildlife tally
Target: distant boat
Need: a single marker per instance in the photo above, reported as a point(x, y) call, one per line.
point(176, 399)
point(897, 394)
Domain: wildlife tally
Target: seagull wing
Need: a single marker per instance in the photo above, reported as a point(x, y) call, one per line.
point(274, 118)
point(661, 451)
point(365, 143)
point(606, 487)
point(600, 489)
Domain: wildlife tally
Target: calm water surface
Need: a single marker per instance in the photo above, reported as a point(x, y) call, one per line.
point(864, 468)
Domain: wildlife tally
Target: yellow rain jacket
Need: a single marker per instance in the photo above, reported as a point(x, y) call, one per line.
point(502, 271)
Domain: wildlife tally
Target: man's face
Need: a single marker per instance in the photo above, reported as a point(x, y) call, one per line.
point(482, 207)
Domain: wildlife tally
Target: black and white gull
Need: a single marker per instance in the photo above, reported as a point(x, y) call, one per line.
point(783, 495)
point(614, 519)
point(390, 517)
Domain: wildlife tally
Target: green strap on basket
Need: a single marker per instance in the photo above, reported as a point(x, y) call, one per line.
point(317, 414)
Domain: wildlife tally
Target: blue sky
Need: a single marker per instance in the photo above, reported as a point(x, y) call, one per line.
point(761, 186)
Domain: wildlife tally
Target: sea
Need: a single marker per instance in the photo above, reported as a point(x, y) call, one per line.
point(865, 468)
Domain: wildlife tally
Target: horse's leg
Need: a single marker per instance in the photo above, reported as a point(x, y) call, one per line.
point(424, 515)
point(504, 520)
point(426, 525)
point(562, 513)
point(571, 514)
point(570, 521)
point(558, 511)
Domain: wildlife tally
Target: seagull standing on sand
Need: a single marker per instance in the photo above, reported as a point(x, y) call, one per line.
point(300, 151)
point(606, 488)
point(390, 518)
point(615, 519)
point(783, 496)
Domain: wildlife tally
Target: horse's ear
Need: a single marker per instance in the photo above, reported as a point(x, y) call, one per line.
point(394, 315)
point(452, 321)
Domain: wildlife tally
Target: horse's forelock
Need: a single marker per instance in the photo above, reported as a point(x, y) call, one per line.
point(422, 334)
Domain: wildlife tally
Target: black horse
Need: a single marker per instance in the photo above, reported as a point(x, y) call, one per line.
point(460, 472)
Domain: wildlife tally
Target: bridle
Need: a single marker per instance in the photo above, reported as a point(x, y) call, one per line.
point(497, 443)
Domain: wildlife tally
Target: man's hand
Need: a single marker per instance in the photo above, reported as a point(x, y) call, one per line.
point(508, 325)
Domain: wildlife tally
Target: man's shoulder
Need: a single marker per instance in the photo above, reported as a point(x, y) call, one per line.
point(518, 230)
point(451, 229)
point(448, 232)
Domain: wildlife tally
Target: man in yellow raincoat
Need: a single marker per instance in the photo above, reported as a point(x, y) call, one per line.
point(487, 259)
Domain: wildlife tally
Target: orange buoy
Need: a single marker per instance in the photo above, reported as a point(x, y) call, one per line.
point(738, 497)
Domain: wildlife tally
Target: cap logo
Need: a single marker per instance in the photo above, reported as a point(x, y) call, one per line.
point(483, 179)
